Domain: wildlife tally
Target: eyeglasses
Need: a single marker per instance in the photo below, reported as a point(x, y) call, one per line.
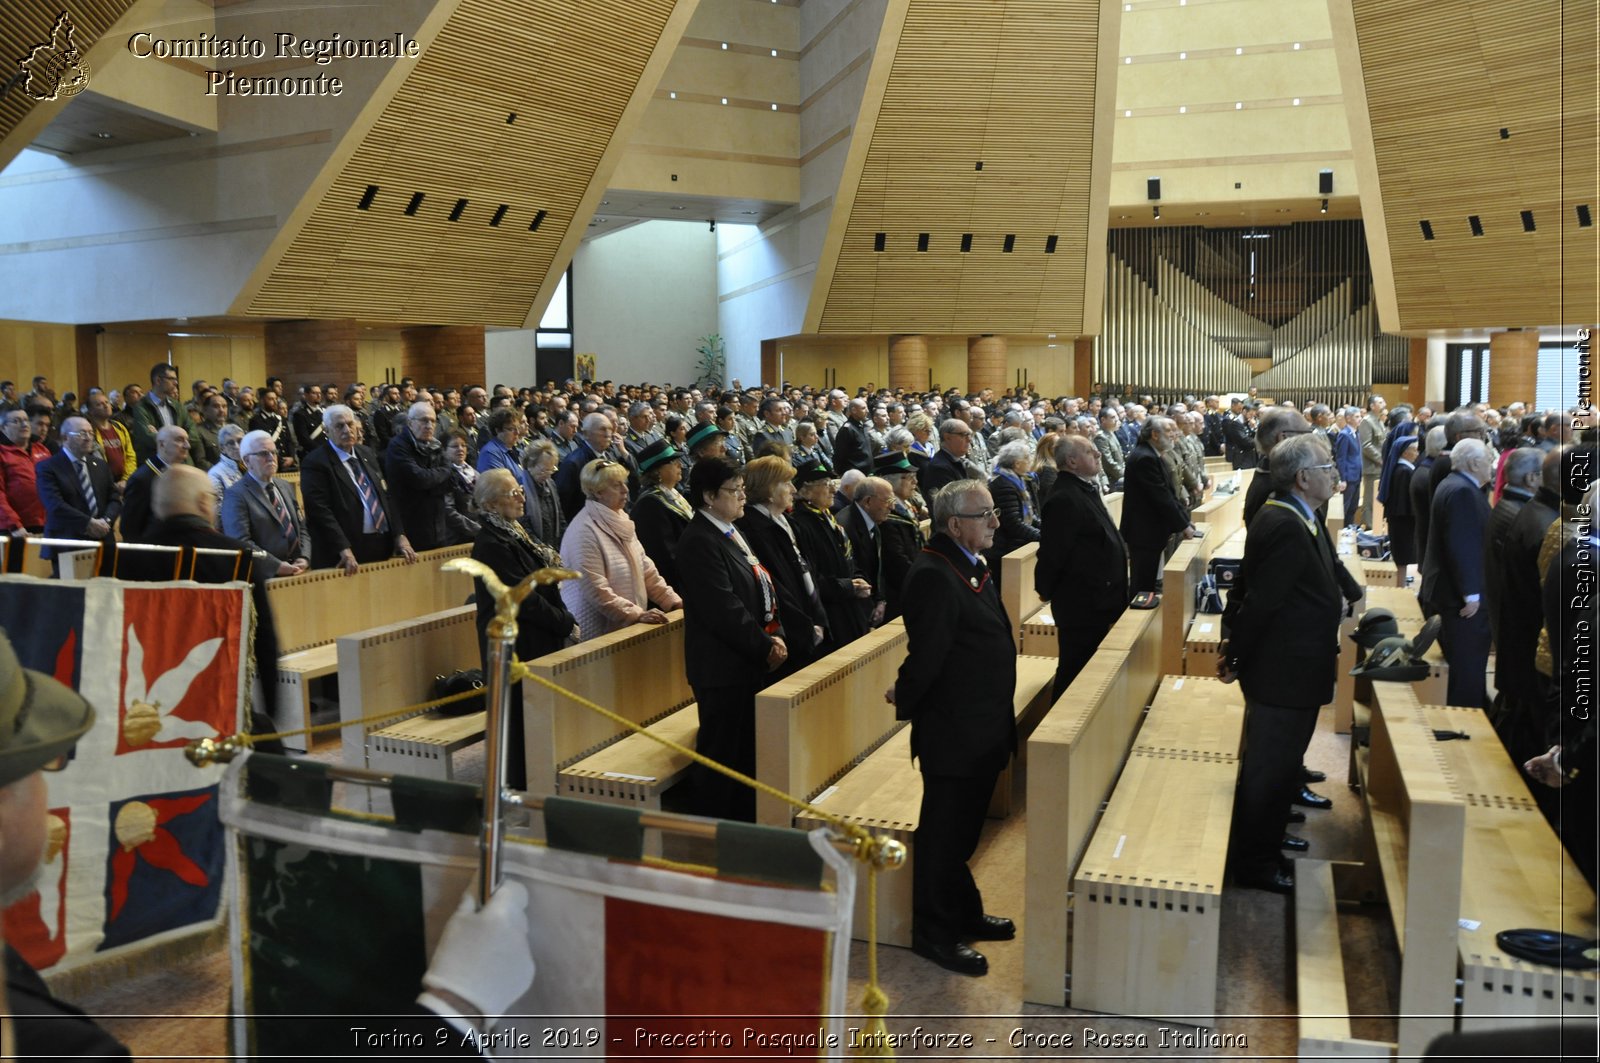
point(262, 454)
point(737, 489)
point(57, 762)
point(982, 514)
point(1329, 465)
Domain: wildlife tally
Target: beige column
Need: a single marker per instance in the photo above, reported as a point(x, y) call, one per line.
point(908, 362)
point(1513, 366)
point(986, 363)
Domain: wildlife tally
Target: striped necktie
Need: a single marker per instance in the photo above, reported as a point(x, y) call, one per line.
point(369, 497)
point(282, 513)
point(90, 502)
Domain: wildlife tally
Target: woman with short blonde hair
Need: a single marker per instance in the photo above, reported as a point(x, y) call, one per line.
point(620, 584)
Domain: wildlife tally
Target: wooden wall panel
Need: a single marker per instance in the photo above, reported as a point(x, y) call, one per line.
point(29, 349)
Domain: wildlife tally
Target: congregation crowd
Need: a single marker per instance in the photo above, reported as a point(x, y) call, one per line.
point(788, 521)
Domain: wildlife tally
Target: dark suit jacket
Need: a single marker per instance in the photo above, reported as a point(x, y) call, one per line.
point(865, 552)
point(249, 517)
point(723, 641)
point(568, 487)
point(778, 555)
point(658, 526)
point(833, 568)
point(943, 468)
point(419, 480)
point(1282, 620)
point(1151, 513)
point(333, 505)
point(1453, 566)
point(1421, 493)
point(960, 671)
point(1399, 515)
point(67, 512)
point(1521, 615)
point(1083, 563)
point(1013, 531)
point(1495, 541)
point(852, 447)
point(47, 1027)
point(899, 545)
point(136, 516)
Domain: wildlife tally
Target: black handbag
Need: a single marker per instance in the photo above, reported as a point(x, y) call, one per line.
point(459, 682)
point(1372, 547)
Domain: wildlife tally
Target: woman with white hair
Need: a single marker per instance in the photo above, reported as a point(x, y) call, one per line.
point(228, 470)
point(620, 584)
point(1014, 502)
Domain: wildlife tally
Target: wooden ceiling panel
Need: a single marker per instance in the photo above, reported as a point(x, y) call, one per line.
point(509, 115)
point(1013, 84)
point(1442, 82)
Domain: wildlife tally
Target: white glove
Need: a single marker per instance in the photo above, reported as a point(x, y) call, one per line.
point(483, 958)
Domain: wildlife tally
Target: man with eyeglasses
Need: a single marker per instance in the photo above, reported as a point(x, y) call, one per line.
point(1281, 642)
point(78, 489)
point(955, 687)
point(420, 480)
point(353, 520)
point(261, 511)
point(949, 464)
point(158, 409)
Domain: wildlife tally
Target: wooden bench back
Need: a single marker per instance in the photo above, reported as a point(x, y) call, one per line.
point(389, 667)
point(1016, 588)
point(318, 607)
point(1074, 757)
point(1179, 580)
point(1219, 517)
point(636, 672)
point(813, 726)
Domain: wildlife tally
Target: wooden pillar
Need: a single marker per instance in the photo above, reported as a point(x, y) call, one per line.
point(1513, 366)
point(311, 351)
point(1417, 373)
point(1083, 381)
point(986, 363)
point(443, 356)
point(908, 362)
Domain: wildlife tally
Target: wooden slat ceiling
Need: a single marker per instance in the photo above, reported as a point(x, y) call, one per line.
point(1442, 81)
point(27, 24)
point(567, 72)
point(1008, 83)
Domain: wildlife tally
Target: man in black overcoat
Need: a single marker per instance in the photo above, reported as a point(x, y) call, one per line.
point(1151, 513)
point(1083, 564)
point(955, 686)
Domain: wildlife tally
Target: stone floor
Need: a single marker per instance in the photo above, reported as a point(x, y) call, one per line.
point(173, 1014)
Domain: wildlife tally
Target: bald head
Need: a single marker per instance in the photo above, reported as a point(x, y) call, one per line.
point(172, 444)
point(183, 491)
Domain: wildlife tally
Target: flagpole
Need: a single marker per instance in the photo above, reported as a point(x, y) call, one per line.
point(502, 642)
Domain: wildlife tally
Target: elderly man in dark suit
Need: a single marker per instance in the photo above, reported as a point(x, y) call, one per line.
point(1151, 513)
point(853, 447)
point(353, 523)
point(172, 448)
point(77, 488)
point(1281, 642)
point(261, 512)
point(1083, 564)
point(955, 687)
point(1452, 571)
point(949, 464)
point(420, 481)
point(873, 502)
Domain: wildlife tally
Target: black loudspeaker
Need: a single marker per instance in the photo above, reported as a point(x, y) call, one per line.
point(1153, 188)
point(1325, 183)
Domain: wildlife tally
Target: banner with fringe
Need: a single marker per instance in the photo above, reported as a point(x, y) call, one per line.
point(135, 860)
point(337, 916)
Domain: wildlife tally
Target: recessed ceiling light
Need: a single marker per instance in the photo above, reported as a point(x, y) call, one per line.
point(1127, 7)
point(1202, 214)
point(749, 212)
point(1236, 51)
point(1122, 215)
point(1183, 55)
point(1283, 210)
point(724, 45)
point(774, 107)
point(1127, 59)
point(672, 95)
point(774, 53)
point(1297, 46)
point(724, 101)
point(1236, 107)
point(605, 202)
point(1127, 114)
point(1297, 101)
point(1183, 110)
point(677, 208)
point(103, 136)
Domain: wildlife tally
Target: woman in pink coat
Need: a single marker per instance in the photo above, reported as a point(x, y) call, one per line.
point(620, 584)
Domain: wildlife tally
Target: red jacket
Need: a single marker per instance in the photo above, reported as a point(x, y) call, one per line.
point(19, 496)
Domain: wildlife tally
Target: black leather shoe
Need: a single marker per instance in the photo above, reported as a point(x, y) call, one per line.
point(1312, 775)
point(991, 928)
point(1296, 816)
point(1272, 882)
point(955, 956)
point(1294, 844)
point(1312, 800)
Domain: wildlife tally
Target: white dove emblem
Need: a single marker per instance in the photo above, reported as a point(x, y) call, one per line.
point(165, 694)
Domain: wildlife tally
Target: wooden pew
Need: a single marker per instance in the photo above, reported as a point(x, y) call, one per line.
point(392, 666)
point(1179, 579)
point(314, 609)
point(1074, 756)
point(636, 672)
point(1408, 611)
point(1219, 518)
point(1018, 596)
point(1147, 915)
point(823, 720)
